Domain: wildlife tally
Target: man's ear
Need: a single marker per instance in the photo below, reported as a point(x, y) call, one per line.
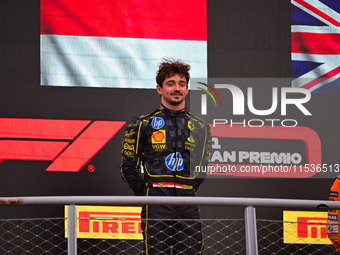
point(159, 89)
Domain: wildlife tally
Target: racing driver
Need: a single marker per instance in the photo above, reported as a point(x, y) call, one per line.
point(167, 144)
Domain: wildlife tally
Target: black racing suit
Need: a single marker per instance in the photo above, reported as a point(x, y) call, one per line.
point(170, 146)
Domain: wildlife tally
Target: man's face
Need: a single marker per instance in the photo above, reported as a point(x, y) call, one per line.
point(174, 91)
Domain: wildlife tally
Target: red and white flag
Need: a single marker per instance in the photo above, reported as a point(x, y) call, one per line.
point(119, 44)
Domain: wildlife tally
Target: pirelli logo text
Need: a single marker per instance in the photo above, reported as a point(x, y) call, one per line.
point(302, 227)
point(107, 222)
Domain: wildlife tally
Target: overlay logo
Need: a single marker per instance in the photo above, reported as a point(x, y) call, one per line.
point(204, 97)
point(259, 97)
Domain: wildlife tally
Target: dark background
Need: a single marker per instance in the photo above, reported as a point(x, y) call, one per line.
point(245, 39)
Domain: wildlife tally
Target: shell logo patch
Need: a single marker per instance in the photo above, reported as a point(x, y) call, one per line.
point(158, 137)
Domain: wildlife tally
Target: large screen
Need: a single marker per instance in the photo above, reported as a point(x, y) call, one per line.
point(118, 44)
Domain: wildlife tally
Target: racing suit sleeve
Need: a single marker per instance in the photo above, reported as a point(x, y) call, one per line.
point(333, 216)
point(206, 147)
point(131, 157)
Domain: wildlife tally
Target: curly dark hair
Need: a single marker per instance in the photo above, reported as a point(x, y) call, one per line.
point(170, 67)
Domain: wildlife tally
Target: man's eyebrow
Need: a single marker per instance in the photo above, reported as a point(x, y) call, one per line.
point(174, 81)
point(182, 82)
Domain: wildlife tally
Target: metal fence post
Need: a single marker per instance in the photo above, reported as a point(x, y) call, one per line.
point(251, 231)
point(72, 230)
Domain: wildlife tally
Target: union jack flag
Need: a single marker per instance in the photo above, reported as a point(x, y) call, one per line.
point(316, 45)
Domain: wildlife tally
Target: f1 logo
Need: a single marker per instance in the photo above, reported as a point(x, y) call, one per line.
point(70, 144)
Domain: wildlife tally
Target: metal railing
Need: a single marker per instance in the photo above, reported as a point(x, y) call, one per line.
point(251, 239)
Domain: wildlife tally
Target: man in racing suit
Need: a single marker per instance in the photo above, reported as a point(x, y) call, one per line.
point(334, 216)
point(169, 143)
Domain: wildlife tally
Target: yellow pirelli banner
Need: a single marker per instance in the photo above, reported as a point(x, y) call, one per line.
point(107, 222)
point(302, 227)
